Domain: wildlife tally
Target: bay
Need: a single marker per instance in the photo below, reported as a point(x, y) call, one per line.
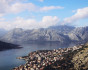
point(8, 58)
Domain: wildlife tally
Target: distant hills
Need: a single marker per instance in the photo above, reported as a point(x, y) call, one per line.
point(5, 46)
point(2, 32)
point(61, 34)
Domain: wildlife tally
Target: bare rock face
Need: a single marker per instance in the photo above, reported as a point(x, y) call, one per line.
point(19, 35)
point(60, 34)
point(79, 34)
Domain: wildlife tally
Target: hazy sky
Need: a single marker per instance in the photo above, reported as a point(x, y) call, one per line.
point(31, 14)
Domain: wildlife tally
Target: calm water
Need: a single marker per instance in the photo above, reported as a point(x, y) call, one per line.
point(8, 58)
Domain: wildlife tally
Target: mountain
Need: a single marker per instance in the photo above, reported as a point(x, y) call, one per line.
point(61, 34)
point(50, 34)
point(5, 46)
point(62, 28)
point(2, 32)
point(79, 34)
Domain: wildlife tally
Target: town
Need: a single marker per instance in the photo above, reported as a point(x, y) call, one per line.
point(38, 60)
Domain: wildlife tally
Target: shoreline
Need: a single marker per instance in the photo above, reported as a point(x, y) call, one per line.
point(38, 60)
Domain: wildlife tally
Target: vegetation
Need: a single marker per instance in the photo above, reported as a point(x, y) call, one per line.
point(80, 59)
point(76, 60)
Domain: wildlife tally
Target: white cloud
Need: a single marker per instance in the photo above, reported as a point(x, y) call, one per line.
point(17, 6)
point(80, 14)
point(30, 23)
point(1, 15)
point(2, 19)
point(73, 11)
point(10, 6)
point(41, 0)
point(46, 8)
point(49, 21)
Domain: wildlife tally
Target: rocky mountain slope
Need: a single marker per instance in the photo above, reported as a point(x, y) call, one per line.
point(79, 34)
point(39, 35)
point(62, 29)
point(60, 34)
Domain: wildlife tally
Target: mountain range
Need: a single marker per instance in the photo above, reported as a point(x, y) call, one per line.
point(2, 32)
point(61, 34)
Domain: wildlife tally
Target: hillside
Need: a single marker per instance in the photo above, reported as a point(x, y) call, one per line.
point(52, 34)
point(19, 35)
point(60, 34)
point(5, 46)
point(64, 29)
point(79, 34)
point(80, 59)
point(74, 60)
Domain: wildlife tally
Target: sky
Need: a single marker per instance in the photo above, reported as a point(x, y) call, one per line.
point(32, 14)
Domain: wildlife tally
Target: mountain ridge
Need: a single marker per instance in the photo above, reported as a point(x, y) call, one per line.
point(61, 34)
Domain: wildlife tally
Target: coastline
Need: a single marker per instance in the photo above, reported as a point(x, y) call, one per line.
point(40, 60)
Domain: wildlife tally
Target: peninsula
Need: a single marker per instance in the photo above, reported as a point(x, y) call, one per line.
point(6, 46)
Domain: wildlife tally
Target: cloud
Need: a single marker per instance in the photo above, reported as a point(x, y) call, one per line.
point(46, 8)
point(30, 23)
point(41, 0)
point(1, 15)
point(2, 19)
point(80, 14)
point(73, 11)
point(13, 6)
point(49, 21)
point(17, 6)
